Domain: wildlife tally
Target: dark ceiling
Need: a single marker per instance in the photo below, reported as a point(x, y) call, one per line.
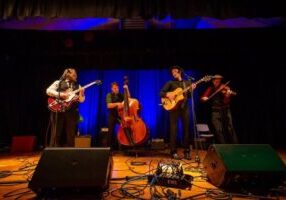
point(146, 9)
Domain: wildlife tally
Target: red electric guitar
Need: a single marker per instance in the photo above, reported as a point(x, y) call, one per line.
point(61, 105)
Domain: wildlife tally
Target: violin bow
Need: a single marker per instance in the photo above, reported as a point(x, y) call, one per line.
point(218, 90)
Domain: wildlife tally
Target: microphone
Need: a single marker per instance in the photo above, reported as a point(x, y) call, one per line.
point(62, 78)
point(65, 74)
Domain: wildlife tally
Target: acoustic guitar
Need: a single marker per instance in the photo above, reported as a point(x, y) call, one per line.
point(169, 104)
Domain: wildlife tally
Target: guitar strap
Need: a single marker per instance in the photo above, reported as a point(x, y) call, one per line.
point(184, 85)
point(72, 86)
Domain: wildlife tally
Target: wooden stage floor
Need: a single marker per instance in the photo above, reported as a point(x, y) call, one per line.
point(17, 169)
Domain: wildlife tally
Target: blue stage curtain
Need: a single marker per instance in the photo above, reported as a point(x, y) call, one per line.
point(144, 85)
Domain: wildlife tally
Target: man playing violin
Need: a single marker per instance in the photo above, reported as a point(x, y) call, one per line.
point(219, 96)
point(65, 120)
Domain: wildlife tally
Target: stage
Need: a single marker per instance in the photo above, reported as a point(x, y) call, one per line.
point(129, 178)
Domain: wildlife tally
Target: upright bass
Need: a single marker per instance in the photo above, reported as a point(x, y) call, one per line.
point(132, 130)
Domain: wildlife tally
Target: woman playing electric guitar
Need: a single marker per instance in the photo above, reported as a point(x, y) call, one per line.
point(64, 121)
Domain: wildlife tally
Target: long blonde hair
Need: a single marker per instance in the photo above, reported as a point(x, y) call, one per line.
point(67, 71)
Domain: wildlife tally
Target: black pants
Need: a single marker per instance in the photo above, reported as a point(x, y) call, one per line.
point(63, 128)
point(112, 137)
point(223, 128)
point(183, 114)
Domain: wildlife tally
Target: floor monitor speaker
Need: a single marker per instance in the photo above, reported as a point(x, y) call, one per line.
point(72, 169)
point(231, 165)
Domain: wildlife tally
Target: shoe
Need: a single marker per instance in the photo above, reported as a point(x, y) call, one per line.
point(187, 155)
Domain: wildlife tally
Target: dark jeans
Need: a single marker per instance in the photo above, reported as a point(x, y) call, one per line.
point(112, 136)
point(184, 115)
point(63, 128)
point(223, 128)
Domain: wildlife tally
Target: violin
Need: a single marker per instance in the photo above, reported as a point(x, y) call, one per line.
point(224, 89)
point(227, 90)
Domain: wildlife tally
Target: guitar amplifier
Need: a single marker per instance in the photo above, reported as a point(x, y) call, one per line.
point(23, 144)
point(83, 141)
point(157, 144)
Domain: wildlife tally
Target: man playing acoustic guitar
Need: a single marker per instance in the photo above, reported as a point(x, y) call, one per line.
point(64, 114)
point(180, 111)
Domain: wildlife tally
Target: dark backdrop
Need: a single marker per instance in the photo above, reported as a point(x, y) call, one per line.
point(145, 9)
point(253, 59)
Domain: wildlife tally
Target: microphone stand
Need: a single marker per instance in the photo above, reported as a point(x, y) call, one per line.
point(194, 121)
point(55, 116)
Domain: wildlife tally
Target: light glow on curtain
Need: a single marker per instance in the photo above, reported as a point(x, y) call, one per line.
point(144, 85)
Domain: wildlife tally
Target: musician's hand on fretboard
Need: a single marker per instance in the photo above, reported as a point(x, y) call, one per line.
point(81, 91)
point(194, 86)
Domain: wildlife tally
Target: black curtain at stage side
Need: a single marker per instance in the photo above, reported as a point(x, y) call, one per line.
point(146, 9)
point(253, 59)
